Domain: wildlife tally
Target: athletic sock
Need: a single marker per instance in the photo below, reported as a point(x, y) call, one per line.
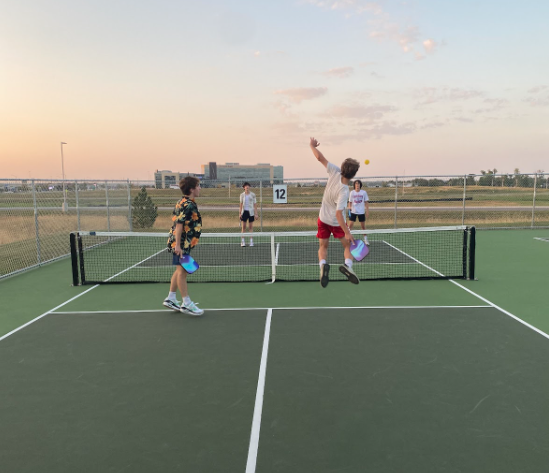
point(186, 300)
point(349, 263)
point(322, 261)
point(172, 296)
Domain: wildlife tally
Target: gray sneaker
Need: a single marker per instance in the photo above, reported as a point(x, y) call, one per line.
point(351, 276)
point(324, 274)
point(191, 309)
point(172, 304)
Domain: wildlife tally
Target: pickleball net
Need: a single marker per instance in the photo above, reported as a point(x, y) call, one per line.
point(130, 257)
point(411, 253)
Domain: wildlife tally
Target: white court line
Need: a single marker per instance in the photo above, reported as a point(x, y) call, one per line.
point(136, 264)
point(416, 260)
point(480, 297)
point(258, 408)
point(232, 309)
point(46, 313)
point(501, 310)
point(541, 239)
point(52, 311)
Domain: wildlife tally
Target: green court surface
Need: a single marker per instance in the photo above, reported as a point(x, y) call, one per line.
point(387, 376)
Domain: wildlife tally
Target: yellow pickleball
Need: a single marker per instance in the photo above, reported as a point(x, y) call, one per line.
point(367, 161)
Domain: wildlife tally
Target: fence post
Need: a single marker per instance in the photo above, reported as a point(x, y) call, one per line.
point(396, 199)
point(261, 204)
point(130, 220)
point(36, 228)
point(77, 204)
point(464, 194)
point(108, 212)
point(534, 199)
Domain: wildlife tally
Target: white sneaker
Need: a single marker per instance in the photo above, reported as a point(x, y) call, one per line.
point(242, 243)
point(191, 309)
point(172, 304)
point(366, 242)
point(251, 243)
point(351, 276)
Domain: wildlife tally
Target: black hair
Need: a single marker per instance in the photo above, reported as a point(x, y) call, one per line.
point(359, 183)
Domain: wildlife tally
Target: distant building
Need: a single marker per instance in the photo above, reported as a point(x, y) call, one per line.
point(236, 173)
point(239, 173)
point(166, 179)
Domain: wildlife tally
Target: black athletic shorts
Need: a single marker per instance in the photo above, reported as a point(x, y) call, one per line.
point(361, 217)
point(246, 216)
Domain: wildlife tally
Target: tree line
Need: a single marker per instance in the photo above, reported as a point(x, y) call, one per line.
point(489, 178)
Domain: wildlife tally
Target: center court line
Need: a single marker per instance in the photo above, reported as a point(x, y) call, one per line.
point(541, 332)
point(232, 309)
point(258, 408)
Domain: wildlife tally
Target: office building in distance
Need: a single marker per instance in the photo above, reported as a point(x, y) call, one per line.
point(168, 179)
point(237, 173)
point(214, 174)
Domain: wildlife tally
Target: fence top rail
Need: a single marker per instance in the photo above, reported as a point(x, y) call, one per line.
point(284, 179)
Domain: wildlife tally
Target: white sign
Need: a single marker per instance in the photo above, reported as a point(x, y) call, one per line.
point(280, 194)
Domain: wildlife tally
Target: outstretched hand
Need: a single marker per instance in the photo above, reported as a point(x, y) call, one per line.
point(314, 143)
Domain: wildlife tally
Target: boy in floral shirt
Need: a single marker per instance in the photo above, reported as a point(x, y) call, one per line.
point(184, 236)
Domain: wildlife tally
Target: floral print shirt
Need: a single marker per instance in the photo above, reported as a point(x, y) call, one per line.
point(186, 212)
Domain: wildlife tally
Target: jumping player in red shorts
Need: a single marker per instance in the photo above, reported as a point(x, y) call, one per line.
point(331, 220)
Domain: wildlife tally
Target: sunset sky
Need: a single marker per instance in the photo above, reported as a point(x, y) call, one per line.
point(417, 87)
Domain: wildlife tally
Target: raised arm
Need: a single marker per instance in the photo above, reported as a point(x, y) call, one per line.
point(318, 155)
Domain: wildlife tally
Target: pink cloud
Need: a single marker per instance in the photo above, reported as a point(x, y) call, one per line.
point(298, 94)
point(429, 95)
point(359, 111)
point(340, 72)
point(429, 45)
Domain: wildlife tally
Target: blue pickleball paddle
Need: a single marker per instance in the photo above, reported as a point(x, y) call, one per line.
point(188, 263)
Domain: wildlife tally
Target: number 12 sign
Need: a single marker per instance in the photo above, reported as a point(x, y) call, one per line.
point(280, 194)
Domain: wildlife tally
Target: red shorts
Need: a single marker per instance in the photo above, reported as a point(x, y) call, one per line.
point(325, 230)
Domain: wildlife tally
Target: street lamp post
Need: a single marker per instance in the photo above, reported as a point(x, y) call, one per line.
point(65, 206)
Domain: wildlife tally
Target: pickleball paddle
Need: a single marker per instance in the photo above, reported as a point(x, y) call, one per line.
point(188, 263)
point(359, 250)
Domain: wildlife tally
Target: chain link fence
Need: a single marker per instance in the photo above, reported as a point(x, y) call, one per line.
point(38, 215)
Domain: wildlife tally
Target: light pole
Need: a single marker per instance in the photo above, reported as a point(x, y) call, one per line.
point(65, 206)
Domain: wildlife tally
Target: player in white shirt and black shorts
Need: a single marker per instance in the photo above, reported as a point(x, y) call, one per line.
point(331, 219)
point(248, 211)
point(358, 207)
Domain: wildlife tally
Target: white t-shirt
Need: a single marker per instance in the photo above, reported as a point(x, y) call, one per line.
point(335, 197)
point(248, 201)
point(358, 200)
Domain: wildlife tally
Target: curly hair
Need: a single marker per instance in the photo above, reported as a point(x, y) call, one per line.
point(349, 168)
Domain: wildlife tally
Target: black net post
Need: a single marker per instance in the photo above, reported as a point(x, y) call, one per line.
point(74, 259)
point(81, 260)
point(472, 248)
